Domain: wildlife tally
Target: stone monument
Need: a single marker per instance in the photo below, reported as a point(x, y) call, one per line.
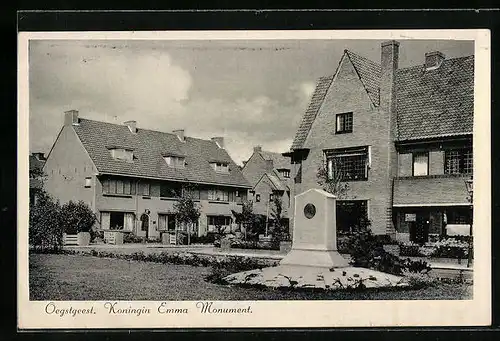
point(313, 261)
point(315, 232)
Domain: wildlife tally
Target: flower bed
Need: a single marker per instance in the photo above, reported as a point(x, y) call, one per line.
point(451, 248)
point(446, 248)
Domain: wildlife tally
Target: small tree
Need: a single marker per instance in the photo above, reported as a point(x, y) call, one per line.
point(37, 179)
point(246, 218)
point(77, 217)
point(186, 210)
point(45, 227)
point(333, 180)
point(278, 232)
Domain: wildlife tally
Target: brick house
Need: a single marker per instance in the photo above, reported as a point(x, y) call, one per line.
point(132, 177)
point(269, 174)
point(401, 137)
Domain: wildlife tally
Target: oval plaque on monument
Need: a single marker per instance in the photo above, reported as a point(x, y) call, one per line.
point(309, 211)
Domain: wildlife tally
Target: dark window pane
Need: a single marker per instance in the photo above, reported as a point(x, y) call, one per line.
point(116, 220)
point(105, 186)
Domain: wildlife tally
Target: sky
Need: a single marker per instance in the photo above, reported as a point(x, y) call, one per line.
point(251, 92)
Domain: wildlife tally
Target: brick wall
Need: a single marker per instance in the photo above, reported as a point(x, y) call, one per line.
point(371, 127)
point(430, 190)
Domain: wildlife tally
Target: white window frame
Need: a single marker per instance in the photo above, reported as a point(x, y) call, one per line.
point(175, 161)
point(420, 171)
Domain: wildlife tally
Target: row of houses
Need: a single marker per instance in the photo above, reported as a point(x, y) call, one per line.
point(401, 138)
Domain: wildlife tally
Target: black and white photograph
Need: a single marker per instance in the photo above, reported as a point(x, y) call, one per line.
point(178, 175)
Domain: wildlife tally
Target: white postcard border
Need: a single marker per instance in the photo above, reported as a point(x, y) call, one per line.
point(475, 312)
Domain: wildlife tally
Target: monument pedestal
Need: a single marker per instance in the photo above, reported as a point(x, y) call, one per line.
point(315, 258)
point(315, 234)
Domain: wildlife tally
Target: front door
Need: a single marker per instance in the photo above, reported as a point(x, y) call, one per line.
point(145, 224)
point(419, 229)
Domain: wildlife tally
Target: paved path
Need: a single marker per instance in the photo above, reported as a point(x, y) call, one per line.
point(436, 263)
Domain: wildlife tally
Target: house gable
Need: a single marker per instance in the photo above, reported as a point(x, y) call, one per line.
point(254, 168)
point(346, 94)
point(68, 165)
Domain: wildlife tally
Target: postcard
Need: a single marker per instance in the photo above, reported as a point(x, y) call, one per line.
point(270, 179)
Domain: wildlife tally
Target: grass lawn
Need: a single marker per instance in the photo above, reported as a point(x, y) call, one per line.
point(77, 277)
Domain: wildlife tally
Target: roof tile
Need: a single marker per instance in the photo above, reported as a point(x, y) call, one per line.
point(148, 147)
point(430, 103)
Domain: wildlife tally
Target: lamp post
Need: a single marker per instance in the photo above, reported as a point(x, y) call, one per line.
point(470, 190)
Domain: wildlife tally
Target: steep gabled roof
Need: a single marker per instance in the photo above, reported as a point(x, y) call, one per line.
point(276, 183)
point(148, 147)
point(317, 99)
point(369, 74)
point(430, 103)
point(437, 102)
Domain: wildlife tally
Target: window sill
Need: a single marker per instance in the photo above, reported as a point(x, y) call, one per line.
point(218, 202)
point(146, 197)
point(343, 132)
point(169, 198)
point(435, 176)
point(117, 195)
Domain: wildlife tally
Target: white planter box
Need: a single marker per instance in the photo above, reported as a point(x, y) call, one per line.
point(113, 237)
point(83, 238)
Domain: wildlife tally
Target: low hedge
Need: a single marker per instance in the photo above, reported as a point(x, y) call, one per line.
point(256, 245)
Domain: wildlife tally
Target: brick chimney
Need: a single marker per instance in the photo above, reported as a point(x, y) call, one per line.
point(180, 134)
point(433, 60)
point(389, 63)
point(219, 140)
point(132, 125)
point(269, 165)
point(257, 149)
point(71, 117)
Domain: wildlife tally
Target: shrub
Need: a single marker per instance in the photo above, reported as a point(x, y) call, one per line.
point(253, 244)
point(131, 238)
point(45, 228)
point(367, 251)
point(418, 266)
point(410, 250)
point(209, 238)
point(386, 239)
point(98, 237)
point(343, 244)
point(77, 217)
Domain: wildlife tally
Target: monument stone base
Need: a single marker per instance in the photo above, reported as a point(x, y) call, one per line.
point(315, 258)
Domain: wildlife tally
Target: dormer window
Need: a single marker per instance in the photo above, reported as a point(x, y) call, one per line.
point(175, 161)
point(122, 154)
point(284, 172)
point(220, 167)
